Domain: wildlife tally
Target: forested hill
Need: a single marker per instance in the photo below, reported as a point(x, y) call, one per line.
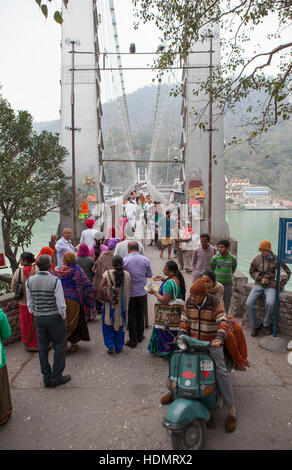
point(275, 172)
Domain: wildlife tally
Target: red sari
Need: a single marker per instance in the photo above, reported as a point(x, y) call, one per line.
point(27, 322)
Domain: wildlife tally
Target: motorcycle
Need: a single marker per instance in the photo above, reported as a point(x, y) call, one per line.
point(192, 382)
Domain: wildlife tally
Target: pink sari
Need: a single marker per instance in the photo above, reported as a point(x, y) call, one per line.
point(27, 323)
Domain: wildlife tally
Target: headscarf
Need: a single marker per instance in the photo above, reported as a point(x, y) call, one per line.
point(90, 223)
point(83, 250)
point(76, 285)
point(103, 248)
point(112, 243)
point(46, 250)
point(98, 236)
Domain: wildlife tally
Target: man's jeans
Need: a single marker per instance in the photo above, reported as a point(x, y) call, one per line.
point(227, 296)
point(222, 375)
point(255, 293)
point(51, 328)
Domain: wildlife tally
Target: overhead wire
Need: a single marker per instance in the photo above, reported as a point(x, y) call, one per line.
point(115, 91)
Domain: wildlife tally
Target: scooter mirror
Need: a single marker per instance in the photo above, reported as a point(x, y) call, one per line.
point(181, 343)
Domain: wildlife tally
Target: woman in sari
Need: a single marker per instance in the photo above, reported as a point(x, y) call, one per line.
point(123, 221)
point(26, 319)
point(5, 398)
point(170, 298)
point(46, 250)
point(79, 293)
point(115, 317)
point(102, 264)
point(86, 263)
point(235, 343)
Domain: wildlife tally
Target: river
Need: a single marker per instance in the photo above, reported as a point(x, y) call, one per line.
point(247, 227)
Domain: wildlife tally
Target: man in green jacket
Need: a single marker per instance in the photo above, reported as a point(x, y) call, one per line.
point(224, 265)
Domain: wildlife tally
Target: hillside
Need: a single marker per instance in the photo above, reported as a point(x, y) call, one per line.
point(275, 172)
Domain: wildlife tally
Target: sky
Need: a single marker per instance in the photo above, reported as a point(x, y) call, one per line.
point(30, 55)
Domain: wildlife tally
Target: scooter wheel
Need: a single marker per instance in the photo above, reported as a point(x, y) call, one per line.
point(190, 438)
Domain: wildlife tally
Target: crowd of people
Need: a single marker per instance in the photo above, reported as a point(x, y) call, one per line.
point(65, 287)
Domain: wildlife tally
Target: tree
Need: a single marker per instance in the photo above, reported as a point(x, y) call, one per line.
point(32, 181)
point(182, 22)
point(57, 14)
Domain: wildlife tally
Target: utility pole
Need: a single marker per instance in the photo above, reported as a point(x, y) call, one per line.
point(73, 146)
point(210, 139)
point(72, 128)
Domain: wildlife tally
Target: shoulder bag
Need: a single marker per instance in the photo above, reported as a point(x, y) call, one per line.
point(109, 293)
point(19, 289)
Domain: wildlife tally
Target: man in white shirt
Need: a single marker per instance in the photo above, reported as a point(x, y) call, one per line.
point(121, 248)
point(45, 299)
point(87, 236)
point(63, 245)
point(131, 211)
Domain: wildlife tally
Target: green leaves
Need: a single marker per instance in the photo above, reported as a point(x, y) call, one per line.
point(44, 9)
point(243, 69)
point(57, 15)
point(31, 176)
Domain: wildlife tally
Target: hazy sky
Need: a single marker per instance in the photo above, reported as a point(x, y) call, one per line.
point(30, 56)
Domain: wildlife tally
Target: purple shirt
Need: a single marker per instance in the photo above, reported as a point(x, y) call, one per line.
point(139, 268)
point(201, 260)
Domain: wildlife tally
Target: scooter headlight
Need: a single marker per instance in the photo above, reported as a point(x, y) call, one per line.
point(182, 343)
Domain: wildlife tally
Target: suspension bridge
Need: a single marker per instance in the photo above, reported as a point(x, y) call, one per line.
point(92, 77)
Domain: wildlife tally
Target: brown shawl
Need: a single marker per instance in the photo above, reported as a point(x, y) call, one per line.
point(126, 292)
point(217, 290)
point(101, 265)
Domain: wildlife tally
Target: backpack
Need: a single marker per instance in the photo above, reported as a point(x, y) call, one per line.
point(109, 293)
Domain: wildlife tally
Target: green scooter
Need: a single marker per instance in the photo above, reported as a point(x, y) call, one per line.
point(192, 381)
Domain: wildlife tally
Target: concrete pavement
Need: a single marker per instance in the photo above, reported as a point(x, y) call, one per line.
point(113, 402)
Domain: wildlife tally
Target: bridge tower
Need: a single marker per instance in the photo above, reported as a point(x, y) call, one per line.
point(81, 110)
point(198, 146)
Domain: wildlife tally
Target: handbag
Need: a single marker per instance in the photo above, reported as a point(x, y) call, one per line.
point(19, 290)
point(170, 313)
point(109, 293)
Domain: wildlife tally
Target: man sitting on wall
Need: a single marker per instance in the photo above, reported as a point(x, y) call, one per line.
point(263, 270)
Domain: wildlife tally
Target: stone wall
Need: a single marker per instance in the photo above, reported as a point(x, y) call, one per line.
point(241, 290)
point(10, 308)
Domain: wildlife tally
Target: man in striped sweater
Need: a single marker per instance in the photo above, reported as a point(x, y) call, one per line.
point(204, 318)
point(224, 266)
point(45, 299)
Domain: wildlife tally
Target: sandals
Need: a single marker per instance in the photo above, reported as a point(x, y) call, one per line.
point(74, 348)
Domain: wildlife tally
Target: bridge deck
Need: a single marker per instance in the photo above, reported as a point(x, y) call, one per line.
point(113, 402)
